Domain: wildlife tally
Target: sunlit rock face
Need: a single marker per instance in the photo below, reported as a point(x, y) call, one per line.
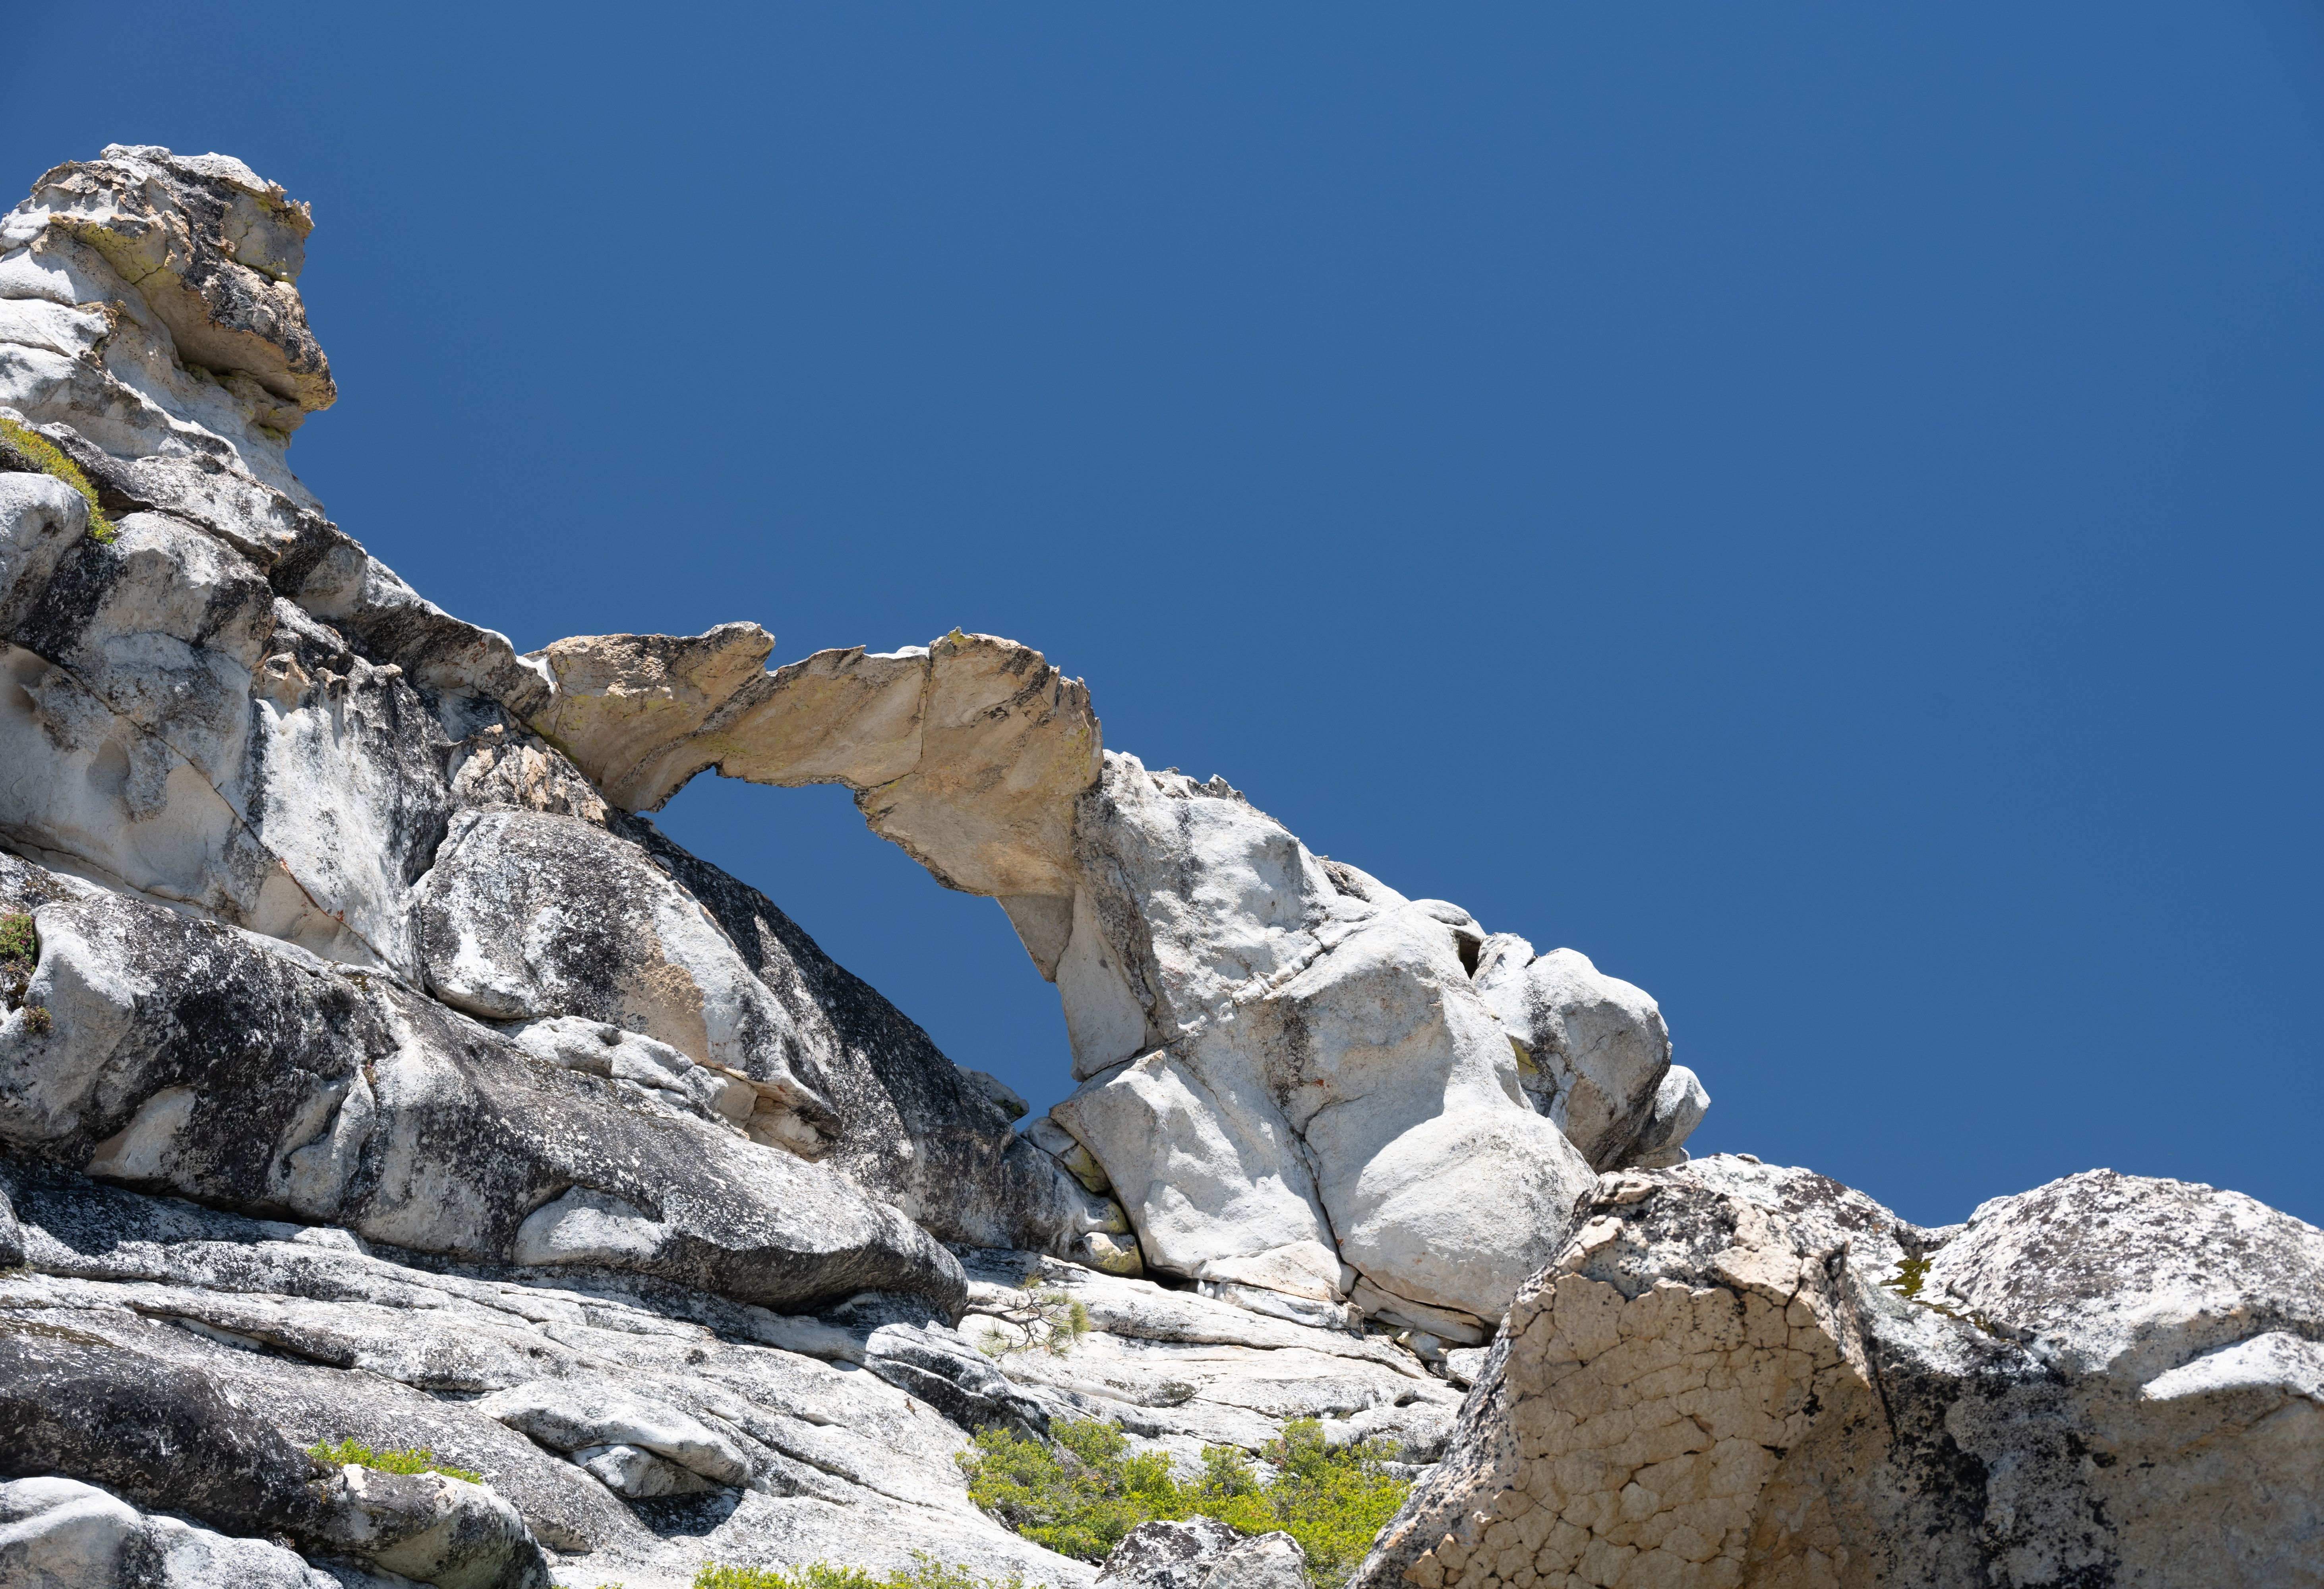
point(371, 1069)
point(1307, 1092)
point(1740, 1374)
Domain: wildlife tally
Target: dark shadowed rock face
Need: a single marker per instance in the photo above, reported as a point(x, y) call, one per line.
point(913, 1128)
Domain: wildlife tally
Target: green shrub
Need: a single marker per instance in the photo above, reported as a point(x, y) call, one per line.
point(20, 946)
point(41, 453)
point(1080, 1494)
point(1334, 1502)
point(420, 1460)
point(926, 1573)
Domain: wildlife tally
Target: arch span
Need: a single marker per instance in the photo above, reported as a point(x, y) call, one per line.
point(1310, 1093)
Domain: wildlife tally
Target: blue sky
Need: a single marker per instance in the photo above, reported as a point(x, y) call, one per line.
point(1814, 506)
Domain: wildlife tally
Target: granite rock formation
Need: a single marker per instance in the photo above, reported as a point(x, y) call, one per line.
point(371, 1069)
point(1737, 1375)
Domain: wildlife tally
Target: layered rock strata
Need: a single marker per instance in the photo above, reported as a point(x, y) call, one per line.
point(630, 1427)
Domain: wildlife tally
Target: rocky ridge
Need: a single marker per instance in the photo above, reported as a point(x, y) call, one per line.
point(383, 1073)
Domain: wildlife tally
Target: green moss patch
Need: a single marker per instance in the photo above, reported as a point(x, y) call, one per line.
point(417, 1460)
point(35, 452)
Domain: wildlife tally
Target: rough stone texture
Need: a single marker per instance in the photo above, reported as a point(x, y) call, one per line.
point(188, 1056)
point(969, 752)
point(913, 1129)
point(62, 1534)
point(1169, 1555)
point(1297, 1077)
point(106, 1408)
point(1723, 1381)
point(1201, 1553)
point(606, 1407)
point(515, 1132)
point(1329, 1096)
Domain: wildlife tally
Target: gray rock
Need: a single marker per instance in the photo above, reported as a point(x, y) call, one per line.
point(637, 1474)
point(1742, 1372)
point(166, 1437)
point(571, 1417)
point(1222, 988)
point(12, 1234)
point(62, 1534)
point(1169, 1555)
point(324, 1340)
point(1202, 1553)
point(1269, 1561)
point(527, 916)
point(1592, 1050)
point(190, 1057)
point(1679, 1106)
point(912, 1128)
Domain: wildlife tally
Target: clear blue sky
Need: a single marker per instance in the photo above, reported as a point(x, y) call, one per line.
point(1814, 506)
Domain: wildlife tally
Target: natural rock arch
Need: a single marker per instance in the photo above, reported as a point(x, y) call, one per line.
point(1309, 1092)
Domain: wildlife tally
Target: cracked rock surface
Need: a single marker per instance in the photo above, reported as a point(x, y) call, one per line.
point(1729, 1377)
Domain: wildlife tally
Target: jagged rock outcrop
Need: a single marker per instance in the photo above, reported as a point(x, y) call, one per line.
point(1738, 1374)
point(371, 1068)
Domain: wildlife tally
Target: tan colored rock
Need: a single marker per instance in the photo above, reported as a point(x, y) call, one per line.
point(1730, 1377)
point(969, 754)
point(624, 703)
point(214, 249)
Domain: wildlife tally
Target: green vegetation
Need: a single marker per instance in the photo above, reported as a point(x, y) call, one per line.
point(1048, 1318)
point(20, 947)
point(1080, 1494)
point(1912, 1275)
point(41, 453)
point(1908, 1279)
point(926, 1572)
point(420, 1460)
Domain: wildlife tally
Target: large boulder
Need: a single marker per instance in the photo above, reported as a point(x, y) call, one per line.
point(1740, 1374)
point(60, 1533)
point(1329, 1098)
point(911, 1127)
point(182, 1055)
point(1592, 1050)
point(1203, 1553)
